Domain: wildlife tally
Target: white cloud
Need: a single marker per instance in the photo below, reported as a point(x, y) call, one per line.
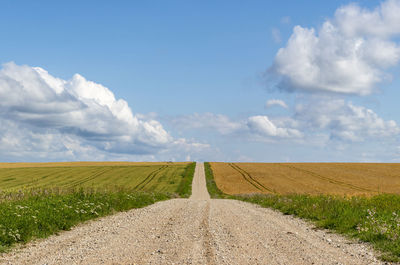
point(276, 102)
point(189, 146)
point(344, 121)
point(43, 114)
point(263, 126)
point(257, 128)
point(24, 143)
point(206, 121)
point(383, 21)
point(317, 122)
point(321, 120)
point(348, 54)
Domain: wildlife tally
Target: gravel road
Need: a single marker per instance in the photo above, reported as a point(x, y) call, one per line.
point(197, 230)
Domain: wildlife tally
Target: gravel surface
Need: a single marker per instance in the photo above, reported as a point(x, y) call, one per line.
point(194, 231)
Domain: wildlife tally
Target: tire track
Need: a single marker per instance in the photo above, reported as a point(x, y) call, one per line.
point(207, 236)
point(89, 178)
point(330, 180)
point(149, 178)
point(250, 179)
point(194, 231)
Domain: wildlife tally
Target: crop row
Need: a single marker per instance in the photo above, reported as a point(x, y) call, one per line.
point(153, 177)
point(308, 178)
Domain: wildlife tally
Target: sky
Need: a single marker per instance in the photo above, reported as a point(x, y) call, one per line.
point(250, 81)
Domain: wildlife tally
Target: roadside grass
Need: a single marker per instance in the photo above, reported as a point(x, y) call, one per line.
point(375, 219)
point(42, 215)
point(38, 212)
point(212, 188)
point(185, 186)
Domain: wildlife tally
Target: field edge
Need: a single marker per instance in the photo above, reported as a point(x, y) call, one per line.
point(374, 220)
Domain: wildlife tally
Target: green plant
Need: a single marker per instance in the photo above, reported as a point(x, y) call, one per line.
point(374, 220)
point(212, 187)
point(42, 215)
point(185, 186)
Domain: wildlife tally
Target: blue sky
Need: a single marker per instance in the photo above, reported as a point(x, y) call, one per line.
point(200, 80)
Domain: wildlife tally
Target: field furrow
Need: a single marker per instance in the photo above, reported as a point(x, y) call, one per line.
point(81, 181)
point(149, 178)
point(250, 179)
point(331, 180)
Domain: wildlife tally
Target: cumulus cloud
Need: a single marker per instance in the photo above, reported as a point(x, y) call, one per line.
point(263, 126)
point(348, 54)
point(41, 112)
point(24, 143)
point(276, 102)
point(324, 119)
point(383, 21)
point(319, 120)
point(252, 128)
point(344, 121)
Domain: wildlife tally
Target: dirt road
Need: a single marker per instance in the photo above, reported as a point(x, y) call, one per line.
point(194, 231)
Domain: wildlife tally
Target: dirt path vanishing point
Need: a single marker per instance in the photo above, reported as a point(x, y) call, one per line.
point(194, 231)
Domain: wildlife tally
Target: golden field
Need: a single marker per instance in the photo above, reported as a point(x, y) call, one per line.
point(307, 178)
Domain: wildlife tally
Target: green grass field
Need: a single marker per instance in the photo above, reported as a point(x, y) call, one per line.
point(36, 202)
point(154, 178)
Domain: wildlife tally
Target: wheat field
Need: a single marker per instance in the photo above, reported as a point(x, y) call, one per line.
point(157, 177)
point(85, 164)
point(307, 178)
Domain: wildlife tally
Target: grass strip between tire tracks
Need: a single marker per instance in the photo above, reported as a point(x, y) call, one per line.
point(369, 219)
